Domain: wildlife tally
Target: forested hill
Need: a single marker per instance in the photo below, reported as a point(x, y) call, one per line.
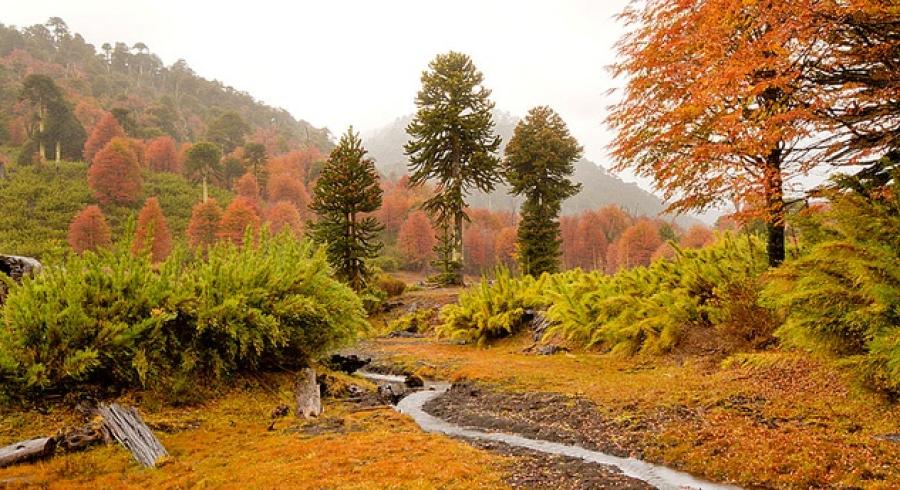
point(598, 186)
point(150, 98)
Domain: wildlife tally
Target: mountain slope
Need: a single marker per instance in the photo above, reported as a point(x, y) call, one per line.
point(599, 188)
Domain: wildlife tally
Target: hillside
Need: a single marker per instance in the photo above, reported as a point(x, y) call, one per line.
point(151, 98)
point(598, 186)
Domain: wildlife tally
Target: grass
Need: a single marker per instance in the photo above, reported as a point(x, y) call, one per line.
point(767, 420)
point(232, 448)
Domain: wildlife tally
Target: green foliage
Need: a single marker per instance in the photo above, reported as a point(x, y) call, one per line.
point(452, 146)
point(843, 296)
point(390, 285)
point(228, 131)
point(646, 309)
point(115, 320)
point(539, 160)
point(494, 309)
point(345, 194)
point(55, 127)
point(418, 321)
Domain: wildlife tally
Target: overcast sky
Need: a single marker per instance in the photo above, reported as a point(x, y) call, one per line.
point(341, 62)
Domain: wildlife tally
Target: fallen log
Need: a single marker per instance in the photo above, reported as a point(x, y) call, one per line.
point(126, 426)
point(308, 395)
point(25, 451)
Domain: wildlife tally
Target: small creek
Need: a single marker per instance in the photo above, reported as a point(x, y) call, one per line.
point(659, 476)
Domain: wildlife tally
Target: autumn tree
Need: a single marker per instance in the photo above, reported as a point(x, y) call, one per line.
point(203, 162)
point(345, 195)
point(115, 176)
point(247, 187)
point(635, 247)
point(415, 239)
point(697, 236)
point(203, 227)
point(592, 238)
point(283, 187)
point(717, 102)
point(539, 159)
point(283, 215)
point(104, 132)
point(152, 234)
point(240, 217)
point(505, 246)
point(255, 157)
point(453, 146)
point(89, 230)
point(161, 155)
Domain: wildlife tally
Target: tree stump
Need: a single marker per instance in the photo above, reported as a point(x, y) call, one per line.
point(308, 395)
point(126, 426)
point(25, 451)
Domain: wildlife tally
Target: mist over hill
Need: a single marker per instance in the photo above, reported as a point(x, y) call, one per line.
point(599, 187)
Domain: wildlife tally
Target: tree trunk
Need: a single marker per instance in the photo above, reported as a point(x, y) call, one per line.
point(25, 451)
point(41, 149)
point(458, 248)
point(205, 191)
point(308, 395)
point(58, 154)
point(126, 426)
point(775, 222)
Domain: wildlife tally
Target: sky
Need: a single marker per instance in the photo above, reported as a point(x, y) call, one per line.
point(340, 62)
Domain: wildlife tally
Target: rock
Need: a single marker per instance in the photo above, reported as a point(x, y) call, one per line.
point(889, 438)
point(280, 411)
point(308, 394)
point(347, 364)
point(549, 350)
point(16, 268)
point(539, 324)
point(413, 381)
point(391, 393)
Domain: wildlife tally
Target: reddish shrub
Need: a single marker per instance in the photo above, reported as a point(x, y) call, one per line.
point(89, 230)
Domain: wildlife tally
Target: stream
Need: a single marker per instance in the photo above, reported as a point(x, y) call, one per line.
point(659, 476)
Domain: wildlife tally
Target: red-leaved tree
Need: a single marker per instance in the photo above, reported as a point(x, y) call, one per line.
point(115, 176)
point(283, 187)
point(203, 227)
point(104, 132)
point(240, 216)
point(416, 240)
point(89, 231)
point(284, 215)
point(162, 155)
point(247, 187)
point(152, 234)
point(635, 247)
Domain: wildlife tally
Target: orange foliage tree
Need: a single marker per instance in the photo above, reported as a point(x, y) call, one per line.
point(104, 132)
point(115, 176)
point(89, 231)
point(697, 236)
point(203, 227)
point(162, 155)
point(248, 187)
point(416, 240)
point(635, 247)
point(240, 216)
point(284, 215)
point(152, 233)
point(284, 187)
point(717, 105)
point(505, 246)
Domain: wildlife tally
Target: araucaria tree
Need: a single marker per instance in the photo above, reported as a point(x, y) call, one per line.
point(539, 159)
point(719, 106)
point(203, 162)
point(53, 123)
point(453, 146)
point(345, 194)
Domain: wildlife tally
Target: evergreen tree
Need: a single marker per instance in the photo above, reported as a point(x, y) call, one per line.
point(539, 159)
point(203, 161)
point(54, 123)
point(346, 191)
point(452, 145)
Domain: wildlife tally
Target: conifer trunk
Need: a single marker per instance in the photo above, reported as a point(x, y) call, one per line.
point(775, 223)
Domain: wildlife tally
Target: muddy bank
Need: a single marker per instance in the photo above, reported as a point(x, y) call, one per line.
point(548, 416)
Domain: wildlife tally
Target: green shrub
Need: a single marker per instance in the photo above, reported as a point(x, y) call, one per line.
point(117, 320)
point(392, 286)
point(843, 296)
point(494, 309)
point(646, 309)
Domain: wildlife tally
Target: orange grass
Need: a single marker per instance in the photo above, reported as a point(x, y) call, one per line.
point(778, 420)
point(233, 449)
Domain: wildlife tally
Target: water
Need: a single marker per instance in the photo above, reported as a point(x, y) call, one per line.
point(659, 476)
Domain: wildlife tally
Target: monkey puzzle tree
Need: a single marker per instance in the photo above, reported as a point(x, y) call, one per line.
point(345, 193)
point(202, 162)
point(539, 159)
point(452, 145)
point(54, 121)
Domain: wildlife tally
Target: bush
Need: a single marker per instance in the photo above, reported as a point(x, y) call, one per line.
point(843, 296)
point(646, 309)
point(390, 285)
point(494, 309)
point(116, 320)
